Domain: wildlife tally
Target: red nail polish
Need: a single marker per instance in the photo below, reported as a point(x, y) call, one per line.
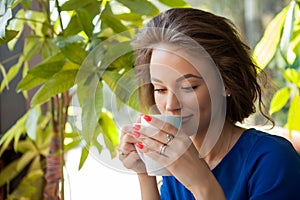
point(140, 145)
point(147, 118)
point(137, 127)
point(136, 134)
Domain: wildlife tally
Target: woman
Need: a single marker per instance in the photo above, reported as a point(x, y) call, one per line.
point(191, 62)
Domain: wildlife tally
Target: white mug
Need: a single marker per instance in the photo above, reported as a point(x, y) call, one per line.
point(153, 167)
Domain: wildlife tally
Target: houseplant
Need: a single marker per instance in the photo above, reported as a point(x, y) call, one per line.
point(279, 49)
point(61, 34)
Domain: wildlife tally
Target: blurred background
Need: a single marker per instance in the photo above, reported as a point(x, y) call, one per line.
point(40, 142)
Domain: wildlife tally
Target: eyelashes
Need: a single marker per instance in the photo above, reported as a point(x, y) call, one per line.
point(185, 89)
point(190, 89)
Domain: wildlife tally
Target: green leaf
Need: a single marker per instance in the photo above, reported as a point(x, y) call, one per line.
point(98, 147)
point(15, 167)
point(267, 46)
point(132, 17)
point(31, 123)
point(74, 52)
point(42, 72)
point(5, 80)
point(86, 16)
point(110, 131)
point(35, 20)
point(17, 25)
point(44, 135)
point(26, 146)
point(9, 35)
point(14, 133)
point(279, 99)
point(84, 155)
point(4, 17)
point(91, 99)
point(49, 48)
point(72, 144)
point(113, 23)
point(142, 7)
point(30, 187)
point(47, 68)
point(60, 82)
point(175, 3)
point(86, 21)
point(98, 99)
point(72, 135)
point(73, 27)
point(118, 56)
point(75, 4)
point(295, 42)
point(12, 73)
point(287, 31)
point(14, 3)
point(64, 40)
point(123, 85)
point(291, 75)
point(29, 82)
point(32, 47)
point(294, 114)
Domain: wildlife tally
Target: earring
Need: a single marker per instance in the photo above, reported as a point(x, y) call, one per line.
point(228, 95)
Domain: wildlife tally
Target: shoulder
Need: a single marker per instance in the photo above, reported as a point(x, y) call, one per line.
point(265, 142)
point(273, 165)
point(270, 151)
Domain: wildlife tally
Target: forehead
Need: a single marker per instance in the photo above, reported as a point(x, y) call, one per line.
point(170, 61)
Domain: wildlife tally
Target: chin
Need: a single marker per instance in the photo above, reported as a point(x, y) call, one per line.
point(190, 128)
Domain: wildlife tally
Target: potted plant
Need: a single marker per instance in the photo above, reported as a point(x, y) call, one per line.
point(279, 49)
point(61, 34)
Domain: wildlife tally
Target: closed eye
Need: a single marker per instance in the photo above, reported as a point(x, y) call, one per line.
point(160, 90)
point(189, 89)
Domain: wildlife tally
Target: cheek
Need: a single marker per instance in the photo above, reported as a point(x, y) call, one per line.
point(160, 102)
point(200, 100)
point(200, 105)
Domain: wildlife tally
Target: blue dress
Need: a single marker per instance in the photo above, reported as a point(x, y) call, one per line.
point(260, 166)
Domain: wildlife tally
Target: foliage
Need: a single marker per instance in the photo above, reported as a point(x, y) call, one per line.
point(62, 34)
point(282, 38)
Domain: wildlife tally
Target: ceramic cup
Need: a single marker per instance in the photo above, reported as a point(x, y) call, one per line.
point(154, 168)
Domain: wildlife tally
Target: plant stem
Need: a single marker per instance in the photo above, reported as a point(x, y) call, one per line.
point(11, 58)
point(62, 138)
point(59, 15)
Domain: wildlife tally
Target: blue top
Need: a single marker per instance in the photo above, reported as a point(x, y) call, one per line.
point(260, 166)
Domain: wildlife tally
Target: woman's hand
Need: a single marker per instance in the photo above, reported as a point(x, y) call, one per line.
point(174, 150)
point(127, 151)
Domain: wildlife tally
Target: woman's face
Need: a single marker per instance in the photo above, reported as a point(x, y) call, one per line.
point(180, 89)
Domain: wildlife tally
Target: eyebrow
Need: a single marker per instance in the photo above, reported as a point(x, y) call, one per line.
point(180, 78)
point(187, 76)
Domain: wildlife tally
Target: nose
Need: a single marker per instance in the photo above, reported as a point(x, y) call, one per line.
point(173, 105)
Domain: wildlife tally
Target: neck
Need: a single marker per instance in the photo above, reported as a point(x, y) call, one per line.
point(217, 148)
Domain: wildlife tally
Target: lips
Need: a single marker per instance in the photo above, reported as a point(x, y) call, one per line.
point(186, 118)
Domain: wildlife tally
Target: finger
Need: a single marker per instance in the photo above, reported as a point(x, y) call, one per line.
point(161, 125)
point(157, 134)
point(126, 129)
point(128, 138)
point(138, 120)
point(150, 145)
point(133, 161)
point(166, 154)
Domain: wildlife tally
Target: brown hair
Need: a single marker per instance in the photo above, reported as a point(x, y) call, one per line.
point(221, 40)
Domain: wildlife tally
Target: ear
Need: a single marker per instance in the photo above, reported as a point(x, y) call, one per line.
point(227, 92)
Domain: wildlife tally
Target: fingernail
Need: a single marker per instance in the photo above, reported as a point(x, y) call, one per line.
point(136, 134)
point(147, 118)
point(140, 145)
point(137, 127)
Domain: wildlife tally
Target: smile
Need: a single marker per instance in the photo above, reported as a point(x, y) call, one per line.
point(186, 118)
